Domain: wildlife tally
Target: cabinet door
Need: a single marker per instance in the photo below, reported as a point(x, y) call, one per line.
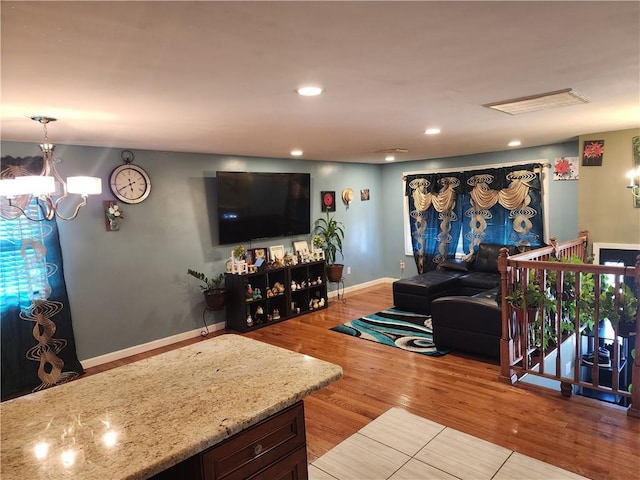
point(292, 467)
point(257, 448)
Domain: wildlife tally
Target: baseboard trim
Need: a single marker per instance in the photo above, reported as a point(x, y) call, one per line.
point(353, 288)
point(161, 342)
point(145, 347)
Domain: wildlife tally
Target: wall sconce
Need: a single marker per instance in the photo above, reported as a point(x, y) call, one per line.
point(634, 181)
point(48, 187)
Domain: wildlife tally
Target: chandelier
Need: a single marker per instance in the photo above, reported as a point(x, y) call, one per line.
point(634, 181)
point(17, 188)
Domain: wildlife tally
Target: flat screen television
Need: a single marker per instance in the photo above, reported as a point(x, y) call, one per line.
point(255, 205)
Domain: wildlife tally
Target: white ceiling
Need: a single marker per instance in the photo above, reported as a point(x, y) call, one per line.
point(219, 77)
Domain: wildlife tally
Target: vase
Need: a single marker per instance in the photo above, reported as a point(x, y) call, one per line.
point(114, 224)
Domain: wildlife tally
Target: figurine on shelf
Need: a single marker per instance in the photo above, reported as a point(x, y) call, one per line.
point(321, 302)
point(289, 260)
point(259, 314)
point(249, 292)
point(269, 293)
point(319, 280)
point(257, 294)
point(249, 321)
point(316, 304)
point(293, 286)
point(276, 314)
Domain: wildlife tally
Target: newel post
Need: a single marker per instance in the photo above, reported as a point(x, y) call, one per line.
point(634, 409)
point(507, 374)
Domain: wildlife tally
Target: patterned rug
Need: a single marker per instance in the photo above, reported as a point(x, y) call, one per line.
point(390, 327)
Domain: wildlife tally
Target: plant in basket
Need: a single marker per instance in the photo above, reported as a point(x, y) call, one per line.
point(212, 288)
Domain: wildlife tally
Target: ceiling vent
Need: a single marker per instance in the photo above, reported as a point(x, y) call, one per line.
point(393, 150)
point(542, 101)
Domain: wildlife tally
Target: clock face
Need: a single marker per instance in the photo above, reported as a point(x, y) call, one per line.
point(130, 183)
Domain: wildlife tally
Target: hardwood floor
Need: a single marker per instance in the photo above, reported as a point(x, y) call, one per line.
point(591, 438)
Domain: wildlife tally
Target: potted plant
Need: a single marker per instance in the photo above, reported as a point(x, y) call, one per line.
point(331, 232)
point(624, 313)
point(533, 306)
point(238, 252)
point(213, 289)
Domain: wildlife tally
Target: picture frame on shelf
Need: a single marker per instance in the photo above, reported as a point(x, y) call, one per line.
point(276, 252)
point(254, 254)
point(300, 246)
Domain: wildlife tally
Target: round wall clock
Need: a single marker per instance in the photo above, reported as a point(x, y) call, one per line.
point(128, 182)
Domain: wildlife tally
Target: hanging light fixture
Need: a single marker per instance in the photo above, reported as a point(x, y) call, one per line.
point(634, 181)
point(49, 188)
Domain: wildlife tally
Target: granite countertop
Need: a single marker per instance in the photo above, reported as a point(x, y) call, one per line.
point(139, 419)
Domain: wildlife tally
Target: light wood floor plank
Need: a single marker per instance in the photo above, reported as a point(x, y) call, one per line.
point(590, 438)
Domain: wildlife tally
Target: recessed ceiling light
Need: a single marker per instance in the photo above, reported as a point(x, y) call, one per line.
point(309, 91)
point(296, 153)
point(432, 131)
point(389, 158)
point(515, 143)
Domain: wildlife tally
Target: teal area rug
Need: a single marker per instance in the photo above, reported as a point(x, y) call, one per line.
point(391, 327)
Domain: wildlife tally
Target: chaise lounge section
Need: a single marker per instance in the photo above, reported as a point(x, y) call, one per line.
point(461, 298)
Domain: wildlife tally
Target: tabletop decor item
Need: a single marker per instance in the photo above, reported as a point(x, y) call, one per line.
point(113, 216)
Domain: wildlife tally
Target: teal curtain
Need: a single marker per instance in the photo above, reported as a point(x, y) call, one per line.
point(36, 332)
point(500, 205)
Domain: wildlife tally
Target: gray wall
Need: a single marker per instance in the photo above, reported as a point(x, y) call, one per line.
point(130, 287)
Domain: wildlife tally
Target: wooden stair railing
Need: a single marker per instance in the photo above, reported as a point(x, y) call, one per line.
point(515, 345)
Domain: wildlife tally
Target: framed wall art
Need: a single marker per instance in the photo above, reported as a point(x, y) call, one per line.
point(328, 200)
point(592, 153)
point(566, 168)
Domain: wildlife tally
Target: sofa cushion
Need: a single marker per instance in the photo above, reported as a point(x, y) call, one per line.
point(480, 280)
point(455, 264)
point(426, 283)
point(486, 259)
point(473, 314)
point(414, 294)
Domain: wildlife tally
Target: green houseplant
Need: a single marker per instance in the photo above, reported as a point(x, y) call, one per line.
point(533, 306)
point(212, 288)
point(624, 313)
point(331, 232)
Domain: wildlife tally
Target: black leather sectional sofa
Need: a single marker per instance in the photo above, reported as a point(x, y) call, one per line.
point(461, 298)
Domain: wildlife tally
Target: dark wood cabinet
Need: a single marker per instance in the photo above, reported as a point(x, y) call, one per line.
point(259, 449)
point(274, 448)
point(255, 300)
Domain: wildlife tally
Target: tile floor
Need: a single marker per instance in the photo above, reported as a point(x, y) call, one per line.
point(401, 446)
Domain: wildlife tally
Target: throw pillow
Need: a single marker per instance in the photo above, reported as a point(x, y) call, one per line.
point(455, 264)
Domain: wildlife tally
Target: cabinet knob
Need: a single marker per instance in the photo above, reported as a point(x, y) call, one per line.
point(257, 450)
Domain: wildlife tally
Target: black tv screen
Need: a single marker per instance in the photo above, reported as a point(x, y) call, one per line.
point(262, 205)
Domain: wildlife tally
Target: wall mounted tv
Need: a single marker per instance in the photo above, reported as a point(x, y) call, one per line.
point(262, 205)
